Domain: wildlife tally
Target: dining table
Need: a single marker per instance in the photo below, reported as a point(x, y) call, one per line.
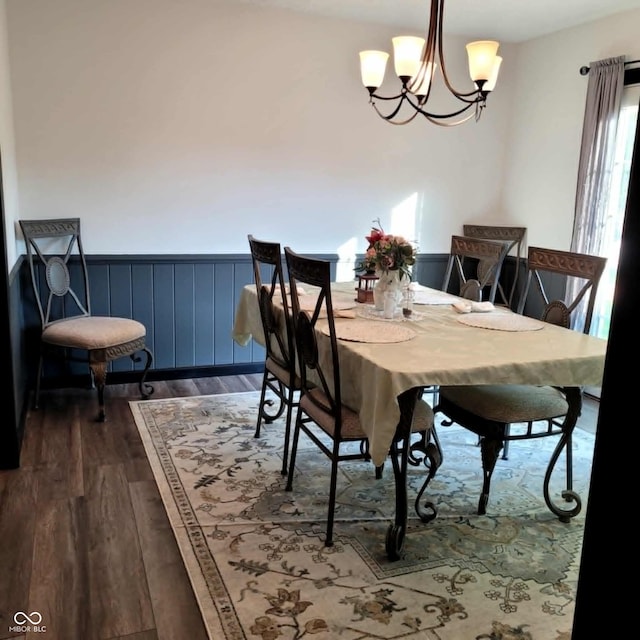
point(386, 363)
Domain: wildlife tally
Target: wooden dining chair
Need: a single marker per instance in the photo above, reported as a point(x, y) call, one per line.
point(501, 413)
point(487, 256)
point(514, 236)
point(68, 329)
point(321, 412)
point(279, 375)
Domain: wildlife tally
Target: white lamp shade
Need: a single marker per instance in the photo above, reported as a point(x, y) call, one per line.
point(482, 55)
point(493, 78)
point(372, 67)
point(407, 55)
point(419, 84)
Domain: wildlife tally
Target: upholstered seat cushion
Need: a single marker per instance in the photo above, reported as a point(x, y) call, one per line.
point(508, 403)
point(281, 373)
point(93, 332)
point(351, 427)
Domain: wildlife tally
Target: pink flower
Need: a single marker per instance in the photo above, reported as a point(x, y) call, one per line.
point(387, 252)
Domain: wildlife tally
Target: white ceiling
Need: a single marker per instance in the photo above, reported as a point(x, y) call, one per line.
point(503, 20)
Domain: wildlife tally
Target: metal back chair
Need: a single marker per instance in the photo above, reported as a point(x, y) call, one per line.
point(64, 307)
point(514, 236)
point(493, 411)
point(321, 412)
point(489, 256)
point(321, 400)
point(586, 269)
point(279, 368)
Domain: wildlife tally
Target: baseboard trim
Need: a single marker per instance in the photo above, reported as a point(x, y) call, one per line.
point(126, 377)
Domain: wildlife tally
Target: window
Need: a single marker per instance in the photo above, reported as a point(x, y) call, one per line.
point(615, 209)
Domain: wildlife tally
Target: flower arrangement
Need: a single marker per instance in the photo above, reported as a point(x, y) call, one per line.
point(387, 252)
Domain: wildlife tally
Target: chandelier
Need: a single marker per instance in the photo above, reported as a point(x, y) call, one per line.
point(416, 61)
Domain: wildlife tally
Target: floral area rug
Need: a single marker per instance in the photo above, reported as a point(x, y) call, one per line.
point(255, 553)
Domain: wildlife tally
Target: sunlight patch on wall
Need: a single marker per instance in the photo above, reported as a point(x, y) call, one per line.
point(404, 219)
point(346, 260)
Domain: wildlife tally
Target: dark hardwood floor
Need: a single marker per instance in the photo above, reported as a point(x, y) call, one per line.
point(84, 538)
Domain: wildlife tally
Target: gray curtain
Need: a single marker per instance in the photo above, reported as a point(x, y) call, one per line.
point(604, 93)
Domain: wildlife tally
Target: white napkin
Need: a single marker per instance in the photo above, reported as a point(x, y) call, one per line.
point(468, 306)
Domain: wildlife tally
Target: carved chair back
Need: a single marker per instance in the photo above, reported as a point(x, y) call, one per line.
point(512, 235)
point(489, 253)
point(51, 245)
point(567, 264)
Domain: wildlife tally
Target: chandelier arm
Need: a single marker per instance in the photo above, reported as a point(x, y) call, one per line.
point(458, 94)
point(430, 48)
point(389, 118)
point(440, 116)
point(396, 97)
point(395, 112)
point(437, 118)
point(476, 98)
point(442, 123)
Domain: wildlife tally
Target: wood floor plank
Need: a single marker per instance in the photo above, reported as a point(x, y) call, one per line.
point(32, 440)
point(210, 386)
point(176, 612)
point(59, 583)
point(60, 470)
point(237, 384)
point(112, 441)
point(143, 635)
point(161, 389)
point(120, 602)
point(228, 384)
point(18, 516)
point(186, 387)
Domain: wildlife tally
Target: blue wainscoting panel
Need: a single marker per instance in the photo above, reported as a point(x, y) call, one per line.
point(120, 303)
point(142, 301)
point(203, 307)
point(223, 312)
point(184, 300)
point(101, 291)
point(164, 311)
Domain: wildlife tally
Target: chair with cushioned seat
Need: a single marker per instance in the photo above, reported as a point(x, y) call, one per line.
point(493, 411)
point(64, 306)
point(514, 236)
point(489, 254)
point(279, 368)
point(321, 413)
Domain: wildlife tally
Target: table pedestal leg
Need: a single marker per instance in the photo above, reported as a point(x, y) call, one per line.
point(400, 451)
point(574, 399)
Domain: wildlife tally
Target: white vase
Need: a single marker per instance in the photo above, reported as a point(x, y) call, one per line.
point(387, 281)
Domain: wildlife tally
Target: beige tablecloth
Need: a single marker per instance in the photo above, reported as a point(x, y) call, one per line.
point(444, 352)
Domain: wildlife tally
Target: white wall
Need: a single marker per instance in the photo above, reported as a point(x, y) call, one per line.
point(179, 127)
point(540, 182)
point(7, 144)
